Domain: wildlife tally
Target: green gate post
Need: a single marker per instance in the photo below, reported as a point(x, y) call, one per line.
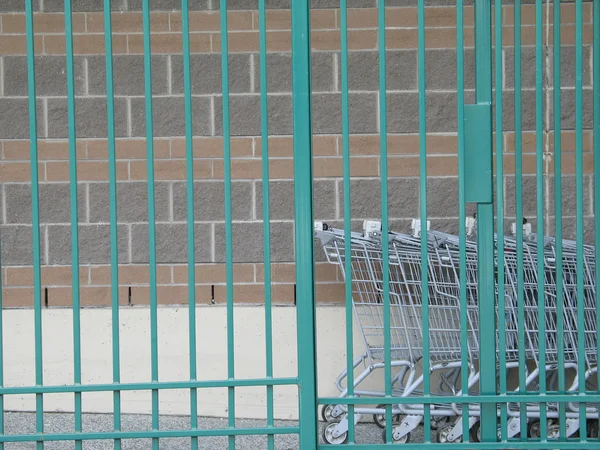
point(485, 228)
point(303, 213)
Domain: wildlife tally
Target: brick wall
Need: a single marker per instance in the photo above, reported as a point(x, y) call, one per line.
point(169, 124)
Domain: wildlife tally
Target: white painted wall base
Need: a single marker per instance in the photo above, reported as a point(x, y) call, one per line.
point(96, 345)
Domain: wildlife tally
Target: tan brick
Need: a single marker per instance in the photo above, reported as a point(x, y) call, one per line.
point(276, 20)
point(210, 21)
point(401, 144)
point(128, 149)
point(211, 147)
point(130, 275)
point(86, 171)
point(330, 292)
point(280, 273)
point(84, 44)
point(51, 276)
point(528, 13)
point(283, 146)
point(251, 169)
point(13, 45)
point(364, 18)
point(89, 296)
point(128, 22)
point(169, 43)
point(214, 273)
point(323, 19)
point(18, 297)
point(333, 167)
point(357, 40)
point(169, 295)
point(249, 41)
point(255, 293)
point(47, 150)
point(408, 166)
point(170, 169)
point(46, 23)
point(17, 171)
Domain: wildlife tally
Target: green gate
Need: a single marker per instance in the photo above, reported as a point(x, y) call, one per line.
point(485, 338)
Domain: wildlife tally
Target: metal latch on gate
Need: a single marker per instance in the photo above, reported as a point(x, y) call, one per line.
point(478, 153)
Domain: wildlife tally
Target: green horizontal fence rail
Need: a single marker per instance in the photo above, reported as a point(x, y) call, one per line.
point(482, 411)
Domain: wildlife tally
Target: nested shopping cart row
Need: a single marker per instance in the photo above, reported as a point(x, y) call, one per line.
point(521, 319)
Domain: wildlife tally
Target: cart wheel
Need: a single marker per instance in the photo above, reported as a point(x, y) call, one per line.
point(403, 440)
point(327, 413)
point(379, 419)
point(443, 432)
point(592, 428)
point(475, 432)
point(437, 421)
point(329, 438)
point(553, 431)
point(533, 429)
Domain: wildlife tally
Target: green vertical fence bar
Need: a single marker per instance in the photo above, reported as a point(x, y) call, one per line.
point(114, 242)
point(560, 318)
point(383, 156)
point(539, 170)
point(264, 130)
point(519, 207)
point(347, 213)
point(485, 233)
point(228, 219)
point(72, 133)
point(596, 146)
point(498, 18)
point(423, 211)
point(581, 349)
point(191, 250)
point(303, 227)
point(35, 221)
point(151, 214)
point(460, 91)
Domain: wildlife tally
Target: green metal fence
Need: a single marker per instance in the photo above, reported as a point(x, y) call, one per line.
point(490, 403)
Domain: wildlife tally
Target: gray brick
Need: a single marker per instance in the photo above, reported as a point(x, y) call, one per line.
point(206, 73)
point(569, 195)
point(279, 72)
point(209, 201)
point(94, 244)
point(54, 203)
point(568, 109)
point(171, 243)
point(327, 113)
point(50, 75)
point(16, 245)
point(90, 117)
point(440, 69)
point(169, 118)
point(363, 70)
point(168, 5)
point(14, 118)
point(17, 5)
point(403, 112)
point(128, 75)
point(567, 66)
point(247, 242)
point(528, 63)
point(442, 197)
point(528, 199)
point(508, 111)
point(245, 115)
point(281, 195)
point(365, 198)
point(132, 202)
point(569, 227)
point(83, 5)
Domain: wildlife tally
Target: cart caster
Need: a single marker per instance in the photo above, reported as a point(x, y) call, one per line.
point(437, 421)
point(329, 435)
point(403, 440)
point(534, 429)
point(379, 419)
point(592, 429)
point(327, 413)
point(444, 431)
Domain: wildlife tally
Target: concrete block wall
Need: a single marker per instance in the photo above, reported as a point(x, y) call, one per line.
point(167, 84)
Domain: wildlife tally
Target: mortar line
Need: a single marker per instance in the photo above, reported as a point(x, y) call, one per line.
point(252, 75)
